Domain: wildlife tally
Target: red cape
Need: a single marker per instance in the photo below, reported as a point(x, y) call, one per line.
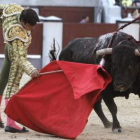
point(59, 103)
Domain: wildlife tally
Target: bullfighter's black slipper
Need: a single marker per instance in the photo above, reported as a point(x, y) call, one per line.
point(13, 130)
point(1, 125)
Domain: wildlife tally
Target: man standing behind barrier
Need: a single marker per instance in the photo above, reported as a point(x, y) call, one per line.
point(85, 19)
point(17, 24)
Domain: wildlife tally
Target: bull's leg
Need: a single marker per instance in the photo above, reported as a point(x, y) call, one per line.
point(109, 101)
point(99, 111)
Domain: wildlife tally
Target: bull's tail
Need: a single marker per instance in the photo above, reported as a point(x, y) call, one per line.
point(52, 55)
point(52, 52)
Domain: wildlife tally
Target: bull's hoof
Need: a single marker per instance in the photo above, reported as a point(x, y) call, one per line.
point(108, 125)
point(117, 130)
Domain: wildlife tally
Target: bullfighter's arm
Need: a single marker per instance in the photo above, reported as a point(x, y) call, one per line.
point(19, 56)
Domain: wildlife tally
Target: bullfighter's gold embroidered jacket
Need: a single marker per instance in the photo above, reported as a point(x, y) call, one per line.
point(15, 35)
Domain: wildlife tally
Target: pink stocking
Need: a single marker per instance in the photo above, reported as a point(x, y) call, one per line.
point(10, 122)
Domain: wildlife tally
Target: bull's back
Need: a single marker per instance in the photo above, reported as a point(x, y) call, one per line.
point(79, 50)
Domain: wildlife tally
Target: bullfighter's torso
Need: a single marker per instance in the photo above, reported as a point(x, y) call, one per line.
point(12, 28)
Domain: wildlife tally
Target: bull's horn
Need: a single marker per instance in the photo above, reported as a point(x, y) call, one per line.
point(104, 51)
point(137, 53)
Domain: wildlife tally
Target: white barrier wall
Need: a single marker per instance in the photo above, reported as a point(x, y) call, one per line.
point(51, 30)
point(112, 13)
point(132, 29)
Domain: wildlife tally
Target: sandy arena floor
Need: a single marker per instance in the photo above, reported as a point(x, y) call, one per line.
point(128, 114)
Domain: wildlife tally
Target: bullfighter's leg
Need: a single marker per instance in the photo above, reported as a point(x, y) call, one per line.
point(109, 101)
point(4, 79)
point(15, 75)
point(99, 111)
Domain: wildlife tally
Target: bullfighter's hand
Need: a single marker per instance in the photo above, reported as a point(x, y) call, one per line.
point(35, 73)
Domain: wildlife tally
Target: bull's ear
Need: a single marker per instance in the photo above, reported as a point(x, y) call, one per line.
point(108, 62)
point(108, 58)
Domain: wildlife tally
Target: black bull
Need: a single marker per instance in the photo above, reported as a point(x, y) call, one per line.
point(121, 61)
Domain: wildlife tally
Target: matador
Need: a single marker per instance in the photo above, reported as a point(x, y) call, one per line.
point(17, 24)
